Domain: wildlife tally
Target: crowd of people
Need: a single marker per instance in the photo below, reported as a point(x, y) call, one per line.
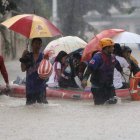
point(108, 69)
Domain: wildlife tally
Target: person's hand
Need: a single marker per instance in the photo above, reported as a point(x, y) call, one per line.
point(6, 91)
point(7, 86)
point(84, 83)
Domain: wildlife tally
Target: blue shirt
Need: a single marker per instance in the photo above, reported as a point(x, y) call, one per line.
point(33, 82)
point(96, 61)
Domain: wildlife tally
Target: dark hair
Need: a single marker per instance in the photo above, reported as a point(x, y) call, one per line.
point(60, 55)
point(126, 49)
point(36, 39)
point(77, 56)
point(117, 49)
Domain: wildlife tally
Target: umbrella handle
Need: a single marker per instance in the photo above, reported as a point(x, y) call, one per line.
point(27, 44)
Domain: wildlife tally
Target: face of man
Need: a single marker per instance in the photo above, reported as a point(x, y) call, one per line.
point(36, 45)
point(109, 49)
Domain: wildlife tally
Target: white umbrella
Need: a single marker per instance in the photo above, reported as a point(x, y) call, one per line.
point(126, 37)
point(67, 44)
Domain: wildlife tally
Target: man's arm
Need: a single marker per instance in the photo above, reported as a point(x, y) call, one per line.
point(87, 73)
point(23, 66)
point(86, 76)
point(94, 63)
point(4, 71)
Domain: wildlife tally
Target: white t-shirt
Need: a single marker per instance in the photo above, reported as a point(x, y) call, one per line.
point(53, 79)
point(118, 79)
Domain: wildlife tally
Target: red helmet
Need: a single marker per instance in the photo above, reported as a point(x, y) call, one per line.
point(45, 69)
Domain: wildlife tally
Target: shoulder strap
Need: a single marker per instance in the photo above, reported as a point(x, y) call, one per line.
point(55, 67)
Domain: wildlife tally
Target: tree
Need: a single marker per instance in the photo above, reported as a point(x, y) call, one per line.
point(71, 13)
point(5, 6)
point(39, 7)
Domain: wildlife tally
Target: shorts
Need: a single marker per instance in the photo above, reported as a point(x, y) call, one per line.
point(34, 97)
point(102, 94)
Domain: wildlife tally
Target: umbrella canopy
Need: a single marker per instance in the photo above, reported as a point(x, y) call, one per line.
point(67, 44)
point(93, 45)
point(126, 37)
point(31, 26)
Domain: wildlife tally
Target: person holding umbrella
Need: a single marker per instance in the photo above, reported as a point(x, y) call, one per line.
point(32, 27)
point(101, 67)
point(35, 86)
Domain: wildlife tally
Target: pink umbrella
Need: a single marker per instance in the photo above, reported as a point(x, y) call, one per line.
point(93, 45)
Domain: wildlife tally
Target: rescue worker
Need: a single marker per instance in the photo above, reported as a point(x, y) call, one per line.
point(101, 67)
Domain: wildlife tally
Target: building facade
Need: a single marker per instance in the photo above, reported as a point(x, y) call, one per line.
point(129, 22)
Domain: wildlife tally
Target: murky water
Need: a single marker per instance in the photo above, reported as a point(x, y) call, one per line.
point(68, 119)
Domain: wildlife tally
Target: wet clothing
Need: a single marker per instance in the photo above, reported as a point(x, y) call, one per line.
point(62, 81)
point(66, 83)
point(53, 79)
point(35, 86)
point(102, 66)
point(3, 70)
point(118, 78)
point(102, 69)
point(102, 94)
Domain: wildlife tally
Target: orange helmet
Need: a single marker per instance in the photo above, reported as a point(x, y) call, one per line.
point(106, 42)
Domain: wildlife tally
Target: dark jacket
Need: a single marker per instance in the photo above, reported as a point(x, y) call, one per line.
point(101, 67)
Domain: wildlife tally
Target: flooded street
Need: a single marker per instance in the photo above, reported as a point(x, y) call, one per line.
point(68, 119)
